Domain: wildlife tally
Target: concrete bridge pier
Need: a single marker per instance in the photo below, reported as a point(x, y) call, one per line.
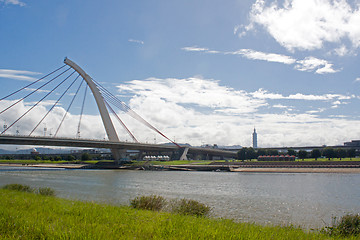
point(184, 153)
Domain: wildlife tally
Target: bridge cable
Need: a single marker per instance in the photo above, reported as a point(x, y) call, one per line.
point(121, 122)
point(67, 110)
point(36, 103)
point(34, 91)
point(53, 106)
point(82, 110)
point(31, 83)
point(131, 112)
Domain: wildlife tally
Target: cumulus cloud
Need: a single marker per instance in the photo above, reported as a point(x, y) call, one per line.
point(17, 74)
point(309, 64)
point(13, 2)
point(198, 110)
point(308, 24)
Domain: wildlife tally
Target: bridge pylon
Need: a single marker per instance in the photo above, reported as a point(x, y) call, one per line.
point(109, 126)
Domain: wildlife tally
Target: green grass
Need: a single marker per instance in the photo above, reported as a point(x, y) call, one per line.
point(32, 216)
point(28, 161)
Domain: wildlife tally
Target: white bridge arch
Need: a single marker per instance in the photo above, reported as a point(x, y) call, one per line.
point(109, 126)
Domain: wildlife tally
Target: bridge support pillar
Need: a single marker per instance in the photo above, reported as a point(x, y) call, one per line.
point(183, 155)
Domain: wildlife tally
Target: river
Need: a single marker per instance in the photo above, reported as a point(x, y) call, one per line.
point(309, 200)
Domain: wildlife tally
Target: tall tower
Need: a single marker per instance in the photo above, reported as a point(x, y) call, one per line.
point(254, 135)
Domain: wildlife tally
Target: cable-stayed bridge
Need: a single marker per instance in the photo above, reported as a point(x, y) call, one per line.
point(70, 77)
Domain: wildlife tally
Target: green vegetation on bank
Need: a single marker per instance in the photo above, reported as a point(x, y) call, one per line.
point(329, 153)
point(20, 161)
point(179, 206)
point(31, 216)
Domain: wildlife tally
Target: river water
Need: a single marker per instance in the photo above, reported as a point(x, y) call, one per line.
point(309, 200)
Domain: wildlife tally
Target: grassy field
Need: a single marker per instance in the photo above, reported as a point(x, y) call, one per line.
point(32, 216)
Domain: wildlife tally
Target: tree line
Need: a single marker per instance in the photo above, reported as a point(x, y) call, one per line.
point(328, 152)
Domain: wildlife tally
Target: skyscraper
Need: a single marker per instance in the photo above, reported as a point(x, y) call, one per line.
point(254, 135)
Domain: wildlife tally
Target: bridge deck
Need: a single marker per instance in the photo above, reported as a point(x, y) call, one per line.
point(88, 143)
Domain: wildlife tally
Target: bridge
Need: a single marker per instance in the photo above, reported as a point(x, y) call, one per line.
point(104, 100)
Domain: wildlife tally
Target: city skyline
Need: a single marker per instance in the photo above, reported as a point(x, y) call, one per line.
point(202, 72)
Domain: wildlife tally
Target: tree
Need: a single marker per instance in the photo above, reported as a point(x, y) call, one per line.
point(273, 152)
point(315, 153)
point(251, 154)
point(291, 152)
point(70, 158)
point(329, 152)
point(241, 154)
point(261, 152)
point(340, 153)
point(85, 157)
point(246, 153)
point(351, 153)
point(303, 154)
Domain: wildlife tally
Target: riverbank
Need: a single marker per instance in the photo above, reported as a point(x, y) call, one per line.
point(31, 216)
point(215, 167)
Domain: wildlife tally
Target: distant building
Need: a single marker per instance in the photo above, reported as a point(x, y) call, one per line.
point(353, 143)
point(254, 135)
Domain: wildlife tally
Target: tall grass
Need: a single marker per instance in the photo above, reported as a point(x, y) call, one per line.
point(18, 187)
point(348, 225)
point(45, 191)
point(153, 202)
point(189, 207)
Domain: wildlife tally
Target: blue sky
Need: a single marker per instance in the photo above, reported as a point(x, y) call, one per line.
point(200, 71)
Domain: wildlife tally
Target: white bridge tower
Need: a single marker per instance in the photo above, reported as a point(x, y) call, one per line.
point(109, 127)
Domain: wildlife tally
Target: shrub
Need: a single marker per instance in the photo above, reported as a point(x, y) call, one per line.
point(152, 202)
point(349, 225)
point(46, 191)
point(190, 207)
point(18, 187)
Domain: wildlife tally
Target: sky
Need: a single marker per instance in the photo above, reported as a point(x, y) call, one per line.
point(202, 72)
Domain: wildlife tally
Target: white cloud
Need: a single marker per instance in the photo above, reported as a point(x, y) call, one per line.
point(136, 41)
point(13, 2)
point(194, 49)
point(308, 24)
point(280, 106)
point(198, 91)
point(264, 94)
point(17, 74)
point(270, 57)
point(357, 79)
point(311, 63)
point(341, 51)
